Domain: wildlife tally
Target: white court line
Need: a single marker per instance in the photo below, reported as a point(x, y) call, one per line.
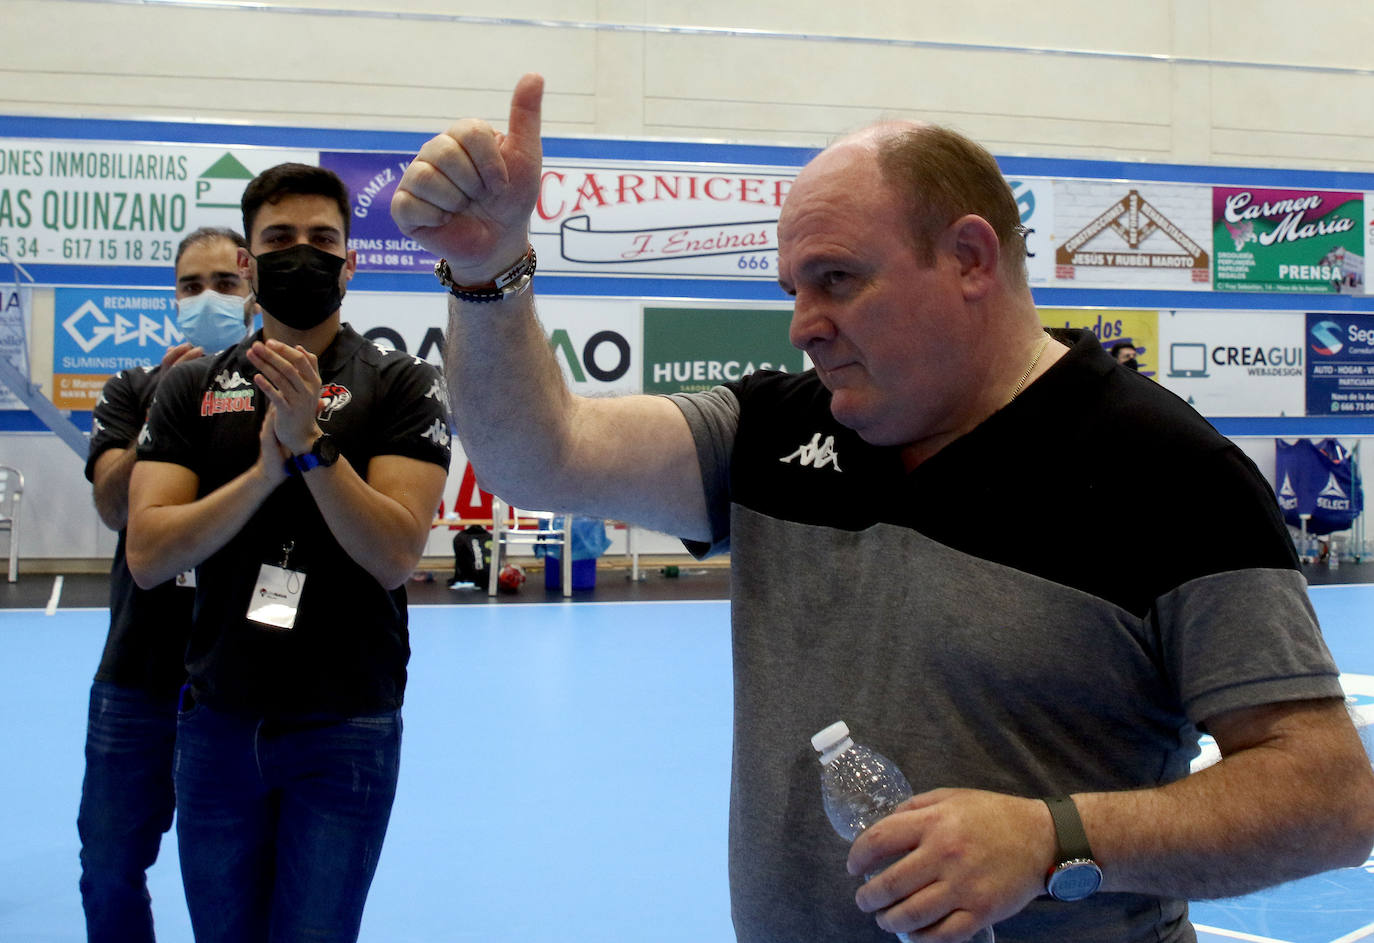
point(56, 595)
point(1364, 933)
point(1234, 934)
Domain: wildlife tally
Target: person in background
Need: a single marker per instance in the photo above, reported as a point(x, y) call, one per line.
point(1125, 354)
point(299, 472)
point(905, 524)
point(127, 796)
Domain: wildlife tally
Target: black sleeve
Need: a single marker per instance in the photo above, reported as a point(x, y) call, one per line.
point(117, 418)
point(414, 418)
point(168, 435)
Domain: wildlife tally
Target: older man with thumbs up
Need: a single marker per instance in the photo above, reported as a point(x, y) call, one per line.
point(905, 524)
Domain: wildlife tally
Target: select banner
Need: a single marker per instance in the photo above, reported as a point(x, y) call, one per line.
point(1303, 241)
point(91, 203)
point(371, 180)
point(1340, 358)
point(99, 332)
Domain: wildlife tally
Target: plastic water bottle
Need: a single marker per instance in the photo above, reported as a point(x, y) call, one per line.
point(859, 786)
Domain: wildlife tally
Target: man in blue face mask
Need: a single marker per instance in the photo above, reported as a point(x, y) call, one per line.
point(212, 310)
point(299, 471)
point(127, 794)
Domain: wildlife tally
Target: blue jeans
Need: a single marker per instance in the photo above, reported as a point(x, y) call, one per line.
point(280, 822)
point(126, 806)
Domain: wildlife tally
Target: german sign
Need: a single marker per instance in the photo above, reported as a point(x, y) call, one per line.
point(99, 332)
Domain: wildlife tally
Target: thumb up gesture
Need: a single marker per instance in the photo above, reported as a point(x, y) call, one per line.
point(468, 195)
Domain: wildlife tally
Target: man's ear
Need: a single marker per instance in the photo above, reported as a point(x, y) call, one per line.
point(246, 272)
point(974, 243)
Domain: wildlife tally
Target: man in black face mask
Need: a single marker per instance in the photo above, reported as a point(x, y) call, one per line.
point(299, 472)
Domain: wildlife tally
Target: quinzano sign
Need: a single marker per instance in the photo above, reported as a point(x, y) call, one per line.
point(90, 202)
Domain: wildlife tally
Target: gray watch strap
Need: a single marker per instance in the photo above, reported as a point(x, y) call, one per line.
point(1071, 841)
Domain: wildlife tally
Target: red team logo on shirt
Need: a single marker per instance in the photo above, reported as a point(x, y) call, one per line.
point(333, 396)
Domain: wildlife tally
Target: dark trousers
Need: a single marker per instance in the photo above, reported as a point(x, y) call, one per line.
point(126, 805)
point(280, 822)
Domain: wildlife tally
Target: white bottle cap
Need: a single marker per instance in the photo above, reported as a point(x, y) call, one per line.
point(832, 741)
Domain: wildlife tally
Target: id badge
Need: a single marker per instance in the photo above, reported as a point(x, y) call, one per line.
point(187, 578)
point(276, 597)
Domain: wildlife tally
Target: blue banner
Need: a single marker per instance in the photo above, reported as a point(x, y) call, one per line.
point(1340, 364)
point(1321, 480)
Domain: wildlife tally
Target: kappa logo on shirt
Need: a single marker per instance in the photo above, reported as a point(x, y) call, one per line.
point(815, 454)
point(144, 436)
point(333, 396)
point(231, 381)
point(436, 391)
point(437, 432)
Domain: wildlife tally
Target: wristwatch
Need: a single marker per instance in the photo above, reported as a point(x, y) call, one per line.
point(1074, 875)
point(512, 281)
point(324, 452)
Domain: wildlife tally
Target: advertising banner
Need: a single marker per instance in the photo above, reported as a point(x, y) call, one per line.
point(99, 332)
point(1112, 233)
point(1340, 364)
point(648, 219)
point(371, 180)
point(1035, 200)
point(1140, 329)
point(1368, 235)
point(16, 305)
point(694, 349)
point(1234, 363)
point(1303, 241)
point(91, 203)
point(1318, 481)
point(596, 341)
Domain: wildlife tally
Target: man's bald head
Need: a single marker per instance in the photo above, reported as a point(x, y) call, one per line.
point(942, 176)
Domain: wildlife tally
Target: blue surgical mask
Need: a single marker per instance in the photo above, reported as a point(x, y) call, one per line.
point(212, 321)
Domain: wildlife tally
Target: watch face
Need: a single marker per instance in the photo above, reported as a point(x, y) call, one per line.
point(326, 450)
point(1074, 880)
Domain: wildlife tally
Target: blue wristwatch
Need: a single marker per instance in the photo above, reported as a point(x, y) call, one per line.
point(324, 452)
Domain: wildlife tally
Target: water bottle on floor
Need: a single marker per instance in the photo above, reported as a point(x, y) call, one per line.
point(860, 786)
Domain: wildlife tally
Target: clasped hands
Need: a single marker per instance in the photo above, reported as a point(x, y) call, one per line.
point(953, 861)
point(290, 379)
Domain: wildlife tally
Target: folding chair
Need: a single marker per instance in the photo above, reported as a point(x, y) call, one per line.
point(11, 490)
point(535, 528)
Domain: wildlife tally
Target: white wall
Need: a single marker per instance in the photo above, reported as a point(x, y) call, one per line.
point(1249, 82)
point(1228, 82)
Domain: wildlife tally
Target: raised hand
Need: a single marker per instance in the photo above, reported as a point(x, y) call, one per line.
point(469, 193)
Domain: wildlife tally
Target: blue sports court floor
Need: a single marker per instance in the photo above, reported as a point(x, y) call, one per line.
point(564, 777)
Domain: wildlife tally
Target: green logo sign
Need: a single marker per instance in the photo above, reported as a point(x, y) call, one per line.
point(692, 349)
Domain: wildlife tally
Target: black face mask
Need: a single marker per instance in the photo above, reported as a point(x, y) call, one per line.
point(1131, 364)
point(299, 286)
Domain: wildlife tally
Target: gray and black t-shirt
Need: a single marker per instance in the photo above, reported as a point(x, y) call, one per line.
point(984, 620)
